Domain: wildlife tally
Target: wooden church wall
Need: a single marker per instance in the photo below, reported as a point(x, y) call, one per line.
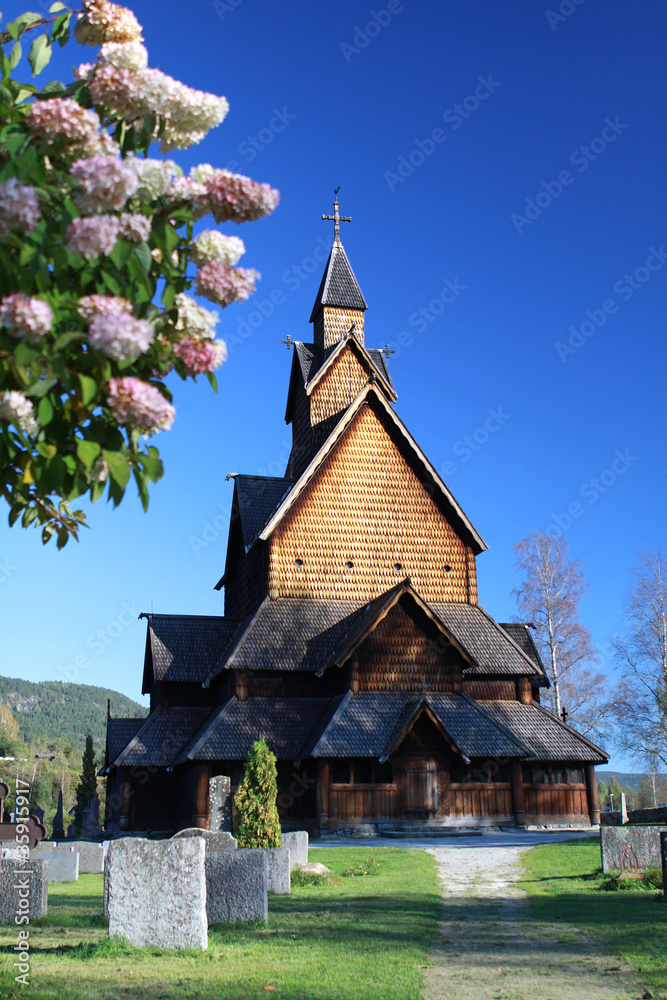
point(249, 586)
point(339, 387)
point(302, 435)
point(399, 656)
point(331, 324)
point(367, 507)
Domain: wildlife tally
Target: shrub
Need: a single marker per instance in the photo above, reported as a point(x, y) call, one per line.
point(256, 822)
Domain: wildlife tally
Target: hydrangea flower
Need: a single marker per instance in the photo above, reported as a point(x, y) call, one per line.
point(106, 22)
point(124, 55)
point(236, 198)
point(19, 208)
point(90, 306)
point(155, 176)
point(119, 335)
point(107, 182)
point(212, 245)
point(219, 283)
point(195, 320)
point(61, 122)
point(138, 404)
point(134, 226)
point(93, 235)
point(26, 318)
point(16, 409)
point(200, 356)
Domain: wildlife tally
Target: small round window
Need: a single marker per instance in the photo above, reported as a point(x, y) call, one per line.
point(398, 567)
point(448, 569)
point(349, 565)
point(298, 563)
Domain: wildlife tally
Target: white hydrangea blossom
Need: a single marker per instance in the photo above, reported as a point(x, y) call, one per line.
point(155, 176)
point(213, 245)
point(17, 409)
point(194, 320)
point(201, 173)
point(124, 55)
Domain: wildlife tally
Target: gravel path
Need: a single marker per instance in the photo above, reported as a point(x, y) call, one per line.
point(491, 948)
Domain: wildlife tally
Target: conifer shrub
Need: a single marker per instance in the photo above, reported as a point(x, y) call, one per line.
point(87, 787)
point(256, 822)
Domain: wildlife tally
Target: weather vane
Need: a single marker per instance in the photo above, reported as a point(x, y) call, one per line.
point(337, 218)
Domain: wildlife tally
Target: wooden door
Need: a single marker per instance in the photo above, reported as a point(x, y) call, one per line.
point(422, 787)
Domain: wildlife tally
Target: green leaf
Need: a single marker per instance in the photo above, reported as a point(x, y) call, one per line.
point(15, 513)
point(45, 412)
point(213, 380)
point(52, 89)
point(15, 55)
point(55, 7)
point(168, 296)
point(141, 485)
point(47, 450)
point(21, 23)
point(66, 338)
point(143, 254)
point(88, 388)
point(63, 538)
point(112, 283)
point(121, 253)
point(41, 388)
point(40, 53)
point(24, 92)
point(47, 532)
point(119, 467)
point(87, 452)
point(60, 29)
point(29, 515)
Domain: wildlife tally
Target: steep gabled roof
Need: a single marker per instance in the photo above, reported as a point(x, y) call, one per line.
point(119, 734)
point(490, 647)
point(258, 497)
point(370, 395)
point(521, 635)
point(161, 737)
point(339, 286)
point(547, 737)
point(184, 648)
point(350, 342)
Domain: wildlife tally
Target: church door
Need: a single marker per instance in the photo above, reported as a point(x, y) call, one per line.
point(422, 787)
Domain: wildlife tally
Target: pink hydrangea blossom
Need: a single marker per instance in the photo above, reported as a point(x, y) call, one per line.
point(93, 235)
point(200, 356)
point(119, 335)
point(134, 226)
point(219, 283)
point(16, 409)
point(114, 90)
point(235, 198)
point(19, 208)
point(106, 181)
point(138, 404)
point(106, 22)
point(91, 306)
point(61, 122)
point(26, 318)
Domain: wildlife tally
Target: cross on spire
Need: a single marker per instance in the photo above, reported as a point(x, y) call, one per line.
point(337, 218)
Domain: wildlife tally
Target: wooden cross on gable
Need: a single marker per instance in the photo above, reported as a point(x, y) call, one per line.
point(337, 218)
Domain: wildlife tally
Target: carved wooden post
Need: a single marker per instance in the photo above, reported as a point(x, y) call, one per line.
point(517, 793)
point(524, 691)
point(592, 794)
point(323, 792)
point(200, 818)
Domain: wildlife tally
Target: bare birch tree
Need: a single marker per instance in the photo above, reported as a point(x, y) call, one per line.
point(640, 702)
point(549, 598)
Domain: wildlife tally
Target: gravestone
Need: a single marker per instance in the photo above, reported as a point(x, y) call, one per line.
point(663, 853)
point(217, 841)
point(237, 884)
point(58, 823)
point(297, 842)
point(38, 813)
point(279, 868)
point(624, 809)
point(90, 826)
point(63, 863)
point(220, 804)
point(157, 892)
point(91, 857)
point(641, 845)
point(23, 890)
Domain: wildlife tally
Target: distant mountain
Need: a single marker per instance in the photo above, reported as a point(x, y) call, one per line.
point(632, 781)
point(49, 709)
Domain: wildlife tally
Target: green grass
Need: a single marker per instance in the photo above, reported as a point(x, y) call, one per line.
point(564, 882)
point(360, 938)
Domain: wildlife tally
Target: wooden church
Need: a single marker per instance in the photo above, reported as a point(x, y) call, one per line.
point(352, 639)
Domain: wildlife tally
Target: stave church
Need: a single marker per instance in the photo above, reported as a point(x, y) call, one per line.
point(352, 637)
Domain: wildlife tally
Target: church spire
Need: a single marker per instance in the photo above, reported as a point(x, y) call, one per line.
point(340, 304)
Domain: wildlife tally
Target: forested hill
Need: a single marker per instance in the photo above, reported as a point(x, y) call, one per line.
point(49, 709)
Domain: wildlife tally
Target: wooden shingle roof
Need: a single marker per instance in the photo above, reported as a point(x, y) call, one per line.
point(491, 648)
point(185, 648)
point(545, 735)
point(339, 286)
point(162, 737)
point(119, 734)
point(258, 497)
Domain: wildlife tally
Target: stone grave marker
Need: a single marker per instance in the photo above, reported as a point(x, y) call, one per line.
point(643, 840)
point(219, 840)
point(91, 857)
point(157, 892)
point(220, 804)
point(297, 842)
point(58, 824)
point(279, 869)
point(237, 884)
point(63, 863)
point(624, 809)
point(24, 889)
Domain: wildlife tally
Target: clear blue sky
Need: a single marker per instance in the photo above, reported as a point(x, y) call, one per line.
point(570, 108)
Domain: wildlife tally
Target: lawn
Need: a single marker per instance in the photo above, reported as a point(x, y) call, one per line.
point(564, 880)
point(366, 937)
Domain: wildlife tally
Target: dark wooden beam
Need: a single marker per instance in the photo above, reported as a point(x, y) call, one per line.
point(200, 818)
point(592, 793)
point(517, 793)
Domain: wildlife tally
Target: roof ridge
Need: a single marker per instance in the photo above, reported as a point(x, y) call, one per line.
point(515, 644)
point(500, 725)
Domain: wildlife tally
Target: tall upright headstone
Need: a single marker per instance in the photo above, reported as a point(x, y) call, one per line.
point(219, 804)
point(624, 810)
point(58, 823)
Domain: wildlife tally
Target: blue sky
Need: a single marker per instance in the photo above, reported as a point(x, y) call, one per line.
point(503, 165)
